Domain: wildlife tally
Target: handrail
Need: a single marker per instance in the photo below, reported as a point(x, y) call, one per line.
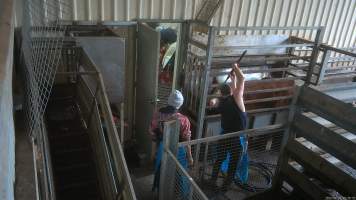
point(114, 143)
point(48, 164)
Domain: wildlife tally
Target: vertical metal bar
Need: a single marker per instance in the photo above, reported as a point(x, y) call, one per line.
point(315, 53)
point(205, 157)
point(34, 156)
point(122, 123)
point(170, 143)
point(287, 136)
point(204, 90)
point(323, 66)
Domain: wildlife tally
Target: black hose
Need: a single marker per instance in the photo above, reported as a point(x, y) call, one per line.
point(261, 168)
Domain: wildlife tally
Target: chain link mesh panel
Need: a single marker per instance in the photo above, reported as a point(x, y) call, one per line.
point(43, 33)
point(181, 185)
point(228, 166)
point(235, 164)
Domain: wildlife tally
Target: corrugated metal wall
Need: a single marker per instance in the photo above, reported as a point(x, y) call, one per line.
point(338, 16)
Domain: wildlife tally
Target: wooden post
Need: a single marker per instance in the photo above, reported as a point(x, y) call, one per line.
point(287, 136)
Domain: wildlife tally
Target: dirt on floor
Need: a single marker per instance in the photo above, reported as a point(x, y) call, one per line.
point(25, 176)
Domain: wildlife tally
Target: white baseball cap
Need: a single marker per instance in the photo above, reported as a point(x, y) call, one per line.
point(176, 99)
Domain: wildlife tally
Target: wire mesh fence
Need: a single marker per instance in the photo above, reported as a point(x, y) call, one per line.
point(42, 39)
point(228, 166)
point(175, 181)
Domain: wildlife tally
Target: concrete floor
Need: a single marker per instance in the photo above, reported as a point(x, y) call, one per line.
point(25, 176)
point(142, 180)
point(143, 186)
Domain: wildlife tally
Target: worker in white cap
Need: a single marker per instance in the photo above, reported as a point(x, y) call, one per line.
point(164, 114)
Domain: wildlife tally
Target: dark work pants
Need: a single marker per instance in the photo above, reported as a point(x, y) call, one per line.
point(224, 146)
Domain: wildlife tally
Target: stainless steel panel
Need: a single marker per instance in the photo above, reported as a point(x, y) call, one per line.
point(108, 53)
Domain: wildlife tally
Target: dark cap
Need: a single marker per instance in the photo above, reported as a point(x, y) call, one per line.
point(168, 35)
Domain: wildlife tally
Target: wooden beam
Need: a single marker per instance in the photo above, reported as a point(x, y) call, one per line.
point(294, 177)
point(334, 110)
point(330, 141)
point(302, 40)
point(323, 169)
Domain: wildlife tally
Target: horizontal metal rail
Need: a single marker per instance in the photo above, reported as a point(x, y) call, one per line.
point(265, 46)
point(247, 28)
point(249, 132)
point(253, 112)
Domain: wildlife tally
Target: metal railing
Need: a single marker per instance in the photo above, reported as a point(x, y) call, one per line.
point(45, 188)
point(279, 59)
point(336, 65)
point(114, 173)
point(224, 167)
point(175, 181)
point(114, 180)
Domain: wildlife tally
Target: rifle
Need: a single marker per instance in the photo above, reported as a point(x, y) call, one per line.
point(238, 61)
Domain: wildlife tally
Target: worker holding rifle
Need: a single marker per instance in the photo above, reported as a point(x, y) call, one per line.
point(233, 118)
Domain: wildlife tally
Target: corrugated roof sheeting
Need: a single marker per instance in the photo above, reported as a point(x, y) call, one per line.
point(338, 16)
